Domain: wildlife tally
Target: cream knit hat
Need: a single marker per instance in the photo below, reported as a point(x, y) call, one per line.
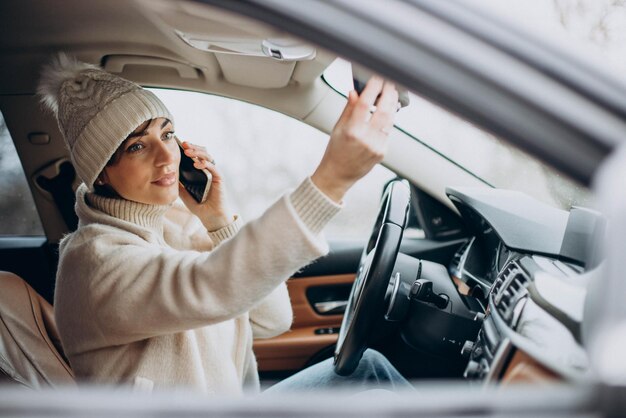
point(95, 111)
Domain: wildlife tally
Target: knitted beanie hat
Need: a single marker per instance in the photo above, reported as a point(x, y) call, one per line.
point(95, 111)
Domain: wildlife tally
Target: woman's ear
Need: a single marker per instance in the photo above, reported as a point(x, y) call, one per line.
point(102, 186)
point(102, 178)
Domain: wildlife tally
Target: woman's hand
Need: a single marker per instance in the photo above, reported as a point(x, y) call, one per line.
point(213, 212)
point(358, 140)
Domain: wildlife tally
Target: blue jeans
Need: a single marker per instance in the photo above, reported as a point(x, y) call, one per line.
point(373, 372)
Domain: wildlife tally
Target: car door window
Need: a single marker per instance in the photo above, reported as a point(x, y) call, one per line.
point(18, 215)
point(262, 154)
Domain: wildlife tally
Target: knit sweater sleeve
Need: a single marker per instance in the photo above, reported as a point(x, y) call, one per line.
point(119, 289)
point(274, 315)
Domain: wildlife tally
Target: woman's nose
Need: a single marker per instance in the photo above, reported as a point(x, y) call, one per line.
point(166, 153)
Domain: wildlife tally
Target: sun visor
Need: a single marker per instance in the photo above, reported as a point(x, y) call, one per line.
point(256, 72)
point(247, 53)
point(253, 62)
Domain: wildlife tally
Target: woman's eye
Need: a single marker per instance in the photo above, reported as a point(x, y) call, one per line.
point(169, 135)
point(135, 147)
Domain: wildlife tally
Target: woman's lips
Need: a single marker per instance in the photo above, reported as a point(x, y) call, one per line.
point(166, 180)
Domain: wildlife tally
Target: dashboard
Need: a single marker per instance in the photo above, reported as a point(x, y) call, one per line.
point(518, 248)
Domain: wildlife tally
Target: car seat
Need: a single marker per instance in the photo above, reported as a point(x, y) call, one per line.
point(30, 350)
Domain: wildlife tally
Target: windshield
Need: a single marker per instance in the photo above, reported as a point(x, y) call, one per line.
point(484, 155)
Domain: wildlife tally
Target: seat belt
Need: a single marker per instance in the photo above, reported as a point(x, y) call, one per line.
point(57, 179)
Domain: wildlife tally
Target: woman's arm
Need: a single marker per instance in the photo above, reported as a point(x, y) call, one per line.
point(116, 288)
point(183, 231)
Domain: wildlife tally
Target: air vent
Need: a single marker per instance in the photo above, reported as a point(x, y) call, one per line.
point(457, 261)
point(510, 293)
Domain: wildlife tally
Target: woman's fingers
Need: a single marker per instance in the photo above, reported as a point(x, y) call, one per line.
point(383, 117)
point(200, 165)
point(202, 159)
point(198, 152)
point(367, 98)
point(385, 96)
point(353, 97)
point(389, 97)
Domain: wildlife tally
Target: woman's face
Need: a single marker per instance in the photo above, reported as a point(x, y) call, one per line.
point(147, 171)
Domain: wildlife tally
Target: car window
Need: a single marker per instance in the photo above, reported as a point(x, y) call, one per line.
point(263, 153)
point(18, 215)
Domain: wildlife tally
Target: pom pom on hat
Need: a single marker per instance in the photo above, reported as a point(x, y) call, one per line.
point(95, 111)
point(61, 69)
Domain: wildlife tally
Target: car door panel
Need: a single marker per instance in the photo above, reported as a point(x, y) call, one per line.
point(293, 349)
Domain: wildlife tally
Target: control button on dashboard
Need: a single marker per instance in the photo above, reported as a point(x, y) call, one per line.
point(467, 348)
point(325, 331)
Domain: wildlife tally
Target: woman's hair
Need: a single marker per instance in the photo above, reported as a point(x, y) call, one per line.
point(106, 190)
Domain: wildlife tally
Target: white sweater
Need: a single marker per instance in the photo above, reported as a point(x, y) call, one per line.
point(153, 301)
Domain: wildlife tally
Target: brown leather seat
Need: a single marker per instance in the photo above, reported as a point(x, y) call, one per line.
point(30, 349)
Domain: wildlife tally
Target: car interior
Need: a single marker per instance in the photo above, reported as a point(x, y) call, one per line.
point(491, 293)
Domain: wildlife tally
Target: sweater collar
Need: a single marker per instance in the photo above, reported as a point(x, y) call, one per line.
point(140, 214)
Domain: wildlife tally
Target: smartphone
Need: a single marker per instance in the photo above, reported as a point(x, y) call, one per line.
point(196, 182)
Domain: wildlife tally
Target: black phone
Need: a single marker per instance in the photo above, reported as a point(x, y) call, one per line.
point(196, 182)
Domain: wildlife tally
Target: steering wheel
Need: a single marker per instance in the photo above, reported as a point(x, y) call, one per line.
point(366, 302)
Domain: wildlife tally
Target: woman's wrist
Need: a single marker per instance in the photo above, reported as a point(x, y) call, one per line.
point(330, 186)
point(226, 232)
point(314, 208)
point(215, 222)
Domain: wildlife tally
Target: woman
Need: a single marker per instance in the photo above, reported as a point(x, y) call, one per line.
point(143, 296)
